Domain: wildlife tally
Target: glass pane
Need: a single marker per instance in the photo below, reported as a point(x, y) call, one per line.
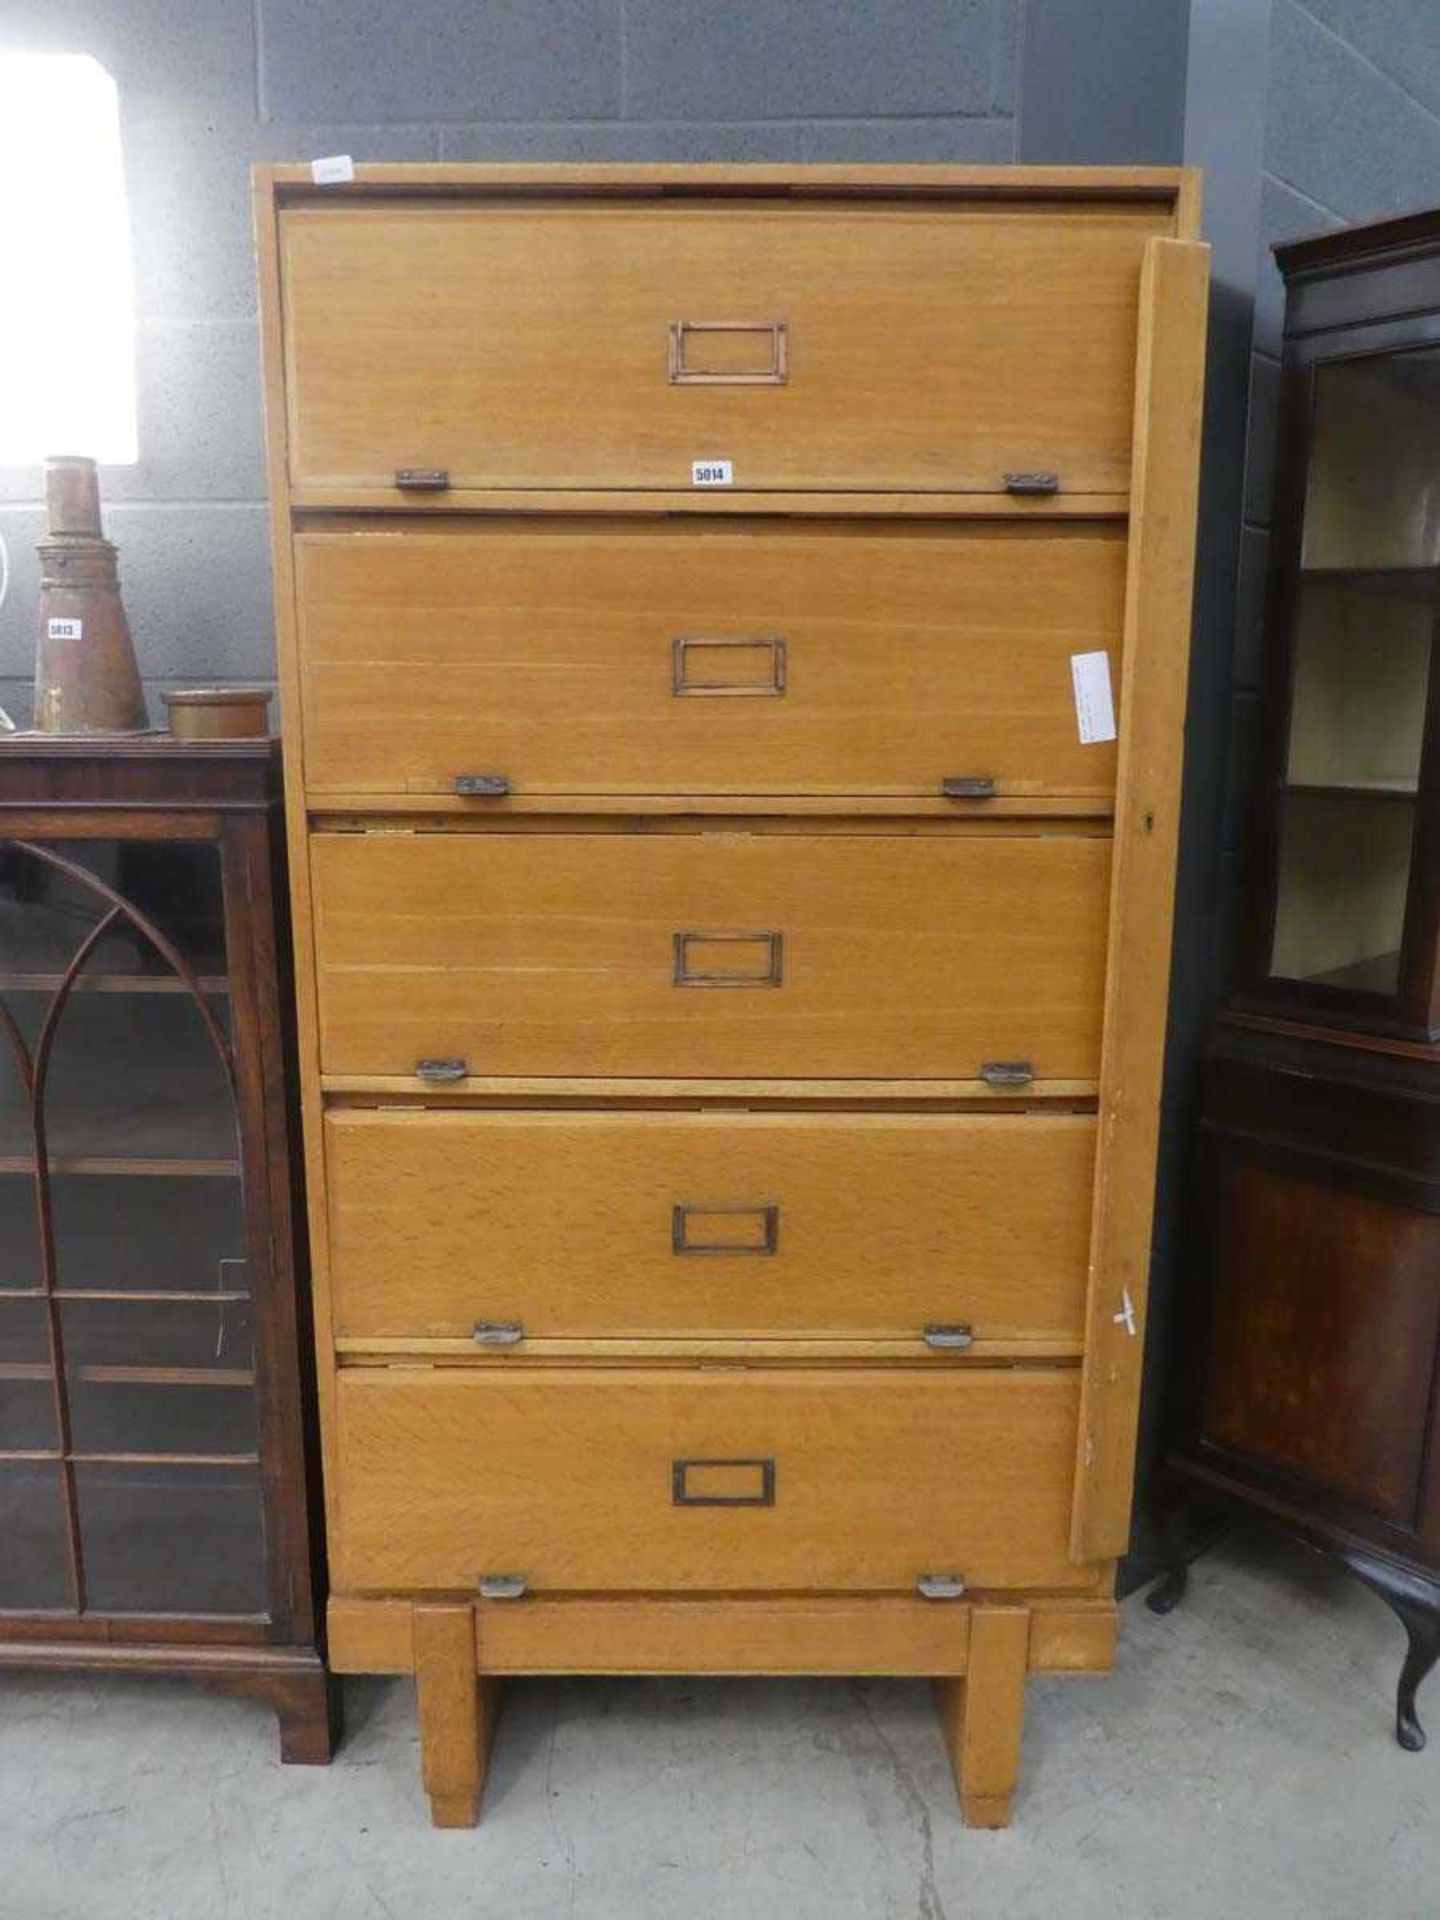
point(1362, 677)
point(45, 912)
point(150, 1233)
point(172, 1540)
point(132, 1077)
point(1343, 883)
point(27, 1393)
point(112, 1414)
point(35, 1563)
point(213, 1336)
point(19, 1235)
point(1373, 494)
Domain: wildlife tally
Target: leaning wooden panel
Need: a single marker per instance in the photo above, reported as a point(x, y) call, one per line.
point(583, 1479)
point(586, 343)
point(615, 655)
point(1169, 393)
point(710, 954)
point(612, 1224)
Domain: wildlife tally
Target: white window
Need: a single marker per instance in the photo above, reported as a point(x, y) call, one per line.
point(67, 320)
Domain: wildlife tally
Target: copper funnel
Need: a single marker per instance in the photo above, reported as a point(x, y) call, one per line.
point(86, 679)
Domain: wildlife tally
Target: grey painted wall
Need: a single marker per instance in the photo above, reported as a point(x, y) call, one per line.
point(209, 86)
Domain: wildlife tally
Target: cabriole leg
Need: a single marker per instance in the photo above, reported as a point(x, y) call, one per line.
point(1416, 1603)
point(981, 1716)
point(457, 1713)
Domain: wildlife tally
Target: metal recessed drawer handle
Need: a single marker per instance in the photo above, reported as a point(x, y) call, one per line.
point(1032, 483)
point(722, 1483)
point(1007, 1073)
point(502, 1586)
point(702, 958)
point(940, 1586)
point(716, 668)
point(949, 1335)
point(482, 786)
point(498, 1333)
point(968, 786)
point(731, 1228)
point(438, 1072)
point(771, 368)
point(421, 479)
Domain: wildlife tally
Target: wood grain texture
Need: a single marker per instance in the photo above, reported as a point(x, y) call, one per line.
point(565, 1475)
point(738, 1634)
point(1324, 1322)
point(530, 953)
point(457, 1712)
point(524, 345)
point(982, 1716)
point(1169, 393)
point(871, 658)
point(564, 1222)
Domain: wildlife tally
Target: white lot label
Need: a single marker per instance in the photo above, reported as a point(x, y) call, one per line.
point(65, 629)
point(712, 473)
point(333, 171)
point(1094, 702)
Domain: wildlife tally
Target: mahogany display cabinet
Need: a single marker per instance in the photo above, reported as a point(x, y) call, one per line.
point(1308, 1388)
point(156, 1497)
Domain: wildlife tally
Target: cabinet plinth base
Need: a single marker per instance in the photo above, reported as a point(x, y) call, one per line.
point(291, 1680)
point(979, 1651)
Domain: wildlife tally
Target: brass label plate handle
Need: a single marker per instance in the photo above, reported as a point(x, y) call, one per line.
point(762, 1220)
point(722, 1483)
point(705, 958)
point(692, 654)
point(439, 1073)
point(1007, 1073)
point(772, 361)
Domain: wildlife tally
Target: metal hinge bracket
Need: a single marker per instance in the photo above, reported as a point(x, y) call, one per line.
point(502, 1586)
point(940, 1586)
point(947, 1335)
point(498, 1333)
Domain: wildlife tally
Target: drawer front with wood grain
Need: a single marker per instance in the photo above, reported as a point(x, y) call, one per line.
point(633, 1479)
point(830, 347)
point(593, 1224)
point(711, 954)
point(692, 657)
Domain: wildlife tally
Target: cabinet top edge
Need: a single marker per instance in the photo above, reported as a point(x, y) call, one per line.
point(288, 181)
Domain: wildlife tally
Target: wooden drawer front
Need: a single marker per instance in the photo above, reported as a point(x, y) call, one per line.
point(618, 1479)
point(674, 1223)
point(711, 955)
point(670, 657)
point(882, 347)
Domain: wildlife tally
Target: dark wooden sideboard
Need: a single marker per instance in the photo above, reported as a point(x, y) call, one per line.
point(158, 1494)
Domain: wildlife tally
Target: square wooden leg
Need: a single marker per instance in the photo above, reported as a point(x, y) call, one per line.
point(981, 1715)
point(457, 1713)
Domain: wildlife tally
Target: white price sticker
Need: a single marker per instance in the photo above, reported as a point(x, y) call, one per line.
point(712, 473)
point(333, 171)
point(1094, 702)
point(65, 629)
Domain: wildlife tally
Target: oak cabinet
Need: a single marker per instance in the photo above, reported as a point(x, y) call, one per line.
point(732, 940)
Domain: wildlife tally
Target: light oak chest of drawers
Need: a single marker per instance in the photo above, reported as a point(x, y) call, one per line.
point(731, 984)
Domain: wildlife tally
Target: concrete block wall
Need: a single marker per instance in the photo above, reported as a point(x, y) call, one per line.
point(207, 87)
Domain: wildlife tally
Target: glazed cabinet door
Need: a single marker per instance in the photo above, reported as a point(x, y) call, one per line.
point(129, 1471)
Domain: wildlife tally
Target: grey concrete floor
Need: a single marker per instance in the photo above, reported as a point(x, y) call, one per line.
point(1240, 1762)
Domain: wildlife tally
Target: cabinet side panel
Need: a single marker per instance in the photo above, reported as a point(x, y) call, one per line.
point(297, 837)
point(1169, 392)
